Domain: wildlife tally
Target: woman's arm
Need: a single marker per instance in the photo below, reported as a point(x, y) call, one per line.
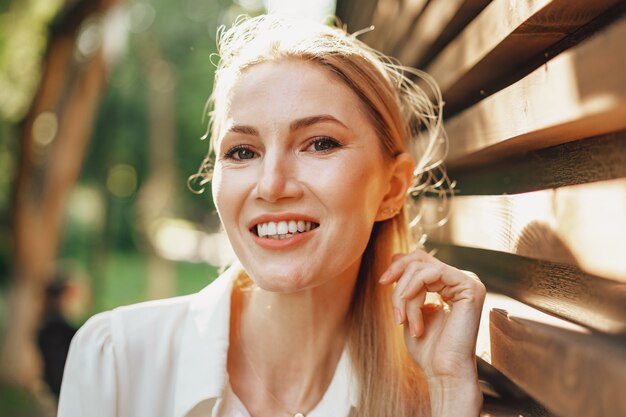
point(441, 338)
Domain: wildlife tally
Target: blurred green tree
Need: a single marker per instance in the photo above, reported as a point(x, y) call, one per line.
point(134, 143)
point(53, 137)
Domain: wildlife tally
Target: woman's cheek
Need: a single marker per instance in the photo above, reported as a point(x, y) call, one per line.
point(216, 188)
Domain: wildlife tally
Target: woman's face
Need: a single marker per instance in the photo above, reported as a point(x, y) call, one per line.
point(299, 177)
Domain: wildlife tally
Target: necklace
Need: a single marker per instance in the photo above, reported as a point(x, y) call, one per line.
point(275, 399)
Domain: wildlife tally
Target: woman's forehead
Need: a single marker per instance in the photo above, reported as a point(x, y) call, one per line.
point(288, 89)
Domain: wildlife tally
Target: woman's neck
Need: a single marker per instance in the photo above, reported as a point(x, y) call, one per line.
point(288, 345)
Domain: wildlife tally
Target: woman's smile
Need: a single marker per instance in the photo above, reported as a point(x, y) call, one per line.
point(299, 176)
point(282, 231)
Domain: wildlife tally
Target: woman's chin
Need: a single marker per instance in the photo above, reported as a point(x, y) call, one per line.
point(286, 283)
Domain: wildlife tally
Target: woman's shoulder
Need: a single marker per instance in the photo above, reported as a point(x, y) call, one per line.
point(136, 326)
point(124, 350)
point(115, 352)
point(135, 317)
point(145, 315)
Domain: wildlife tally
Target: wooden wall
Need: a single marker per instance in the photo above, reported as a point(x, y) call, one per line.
point(535, 110)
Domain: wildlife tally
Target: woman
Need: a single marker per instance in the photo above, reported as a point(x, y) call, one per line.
point(311, 132)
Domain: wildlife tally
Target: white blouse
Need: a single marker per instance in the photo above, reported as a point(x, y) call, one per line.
point(167, 358)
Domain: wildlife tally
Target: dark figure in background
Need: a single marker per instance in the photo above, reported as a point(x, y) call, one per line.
point(55, 334)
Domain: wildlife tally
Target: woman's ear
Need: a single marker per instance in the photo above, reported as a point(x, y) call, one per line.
point(399, 183)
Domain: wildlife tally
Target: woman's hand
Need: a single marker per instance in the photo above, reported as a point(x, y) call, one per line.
point(440, 338)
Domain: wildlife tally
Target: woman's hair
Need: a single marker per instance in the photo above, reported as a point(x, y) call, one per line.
point(406, 119)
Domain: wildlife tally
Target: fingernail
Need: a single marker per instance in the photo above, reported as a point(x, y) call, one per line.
point(397, 315)
point(412, 331)
point(383, 278)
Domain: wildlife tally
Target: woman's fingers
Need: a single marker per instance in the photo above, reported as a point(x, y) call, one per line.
point(410, 291)
point(429, 277)
point(400, 262)
point(416, 274)
point(399, 303)
point(414, 314)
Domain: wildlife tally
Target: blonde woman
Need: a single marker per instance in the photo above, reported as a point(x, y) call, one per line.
point(324, 315)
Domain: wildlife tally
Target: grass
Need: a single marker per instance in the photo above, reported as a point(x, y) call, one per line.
point(125, 274)
point(17, 402)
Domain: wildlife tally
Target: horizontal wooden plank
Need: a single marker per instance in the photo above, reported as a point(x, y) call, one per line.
point(560, 289)
point(581, 225)
point(578, 94)
point(503, 38)
point(502, 398)
point(401, 24)
point(393, 21)
point(492, 382)
point(440, 22)
point(463, 15)
point(572, 373)
point(494, 300)
point(473, 95)
point(597, 158)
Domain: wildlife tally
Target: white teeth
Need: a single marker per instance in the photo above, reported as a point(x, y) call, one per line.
point(283, 229)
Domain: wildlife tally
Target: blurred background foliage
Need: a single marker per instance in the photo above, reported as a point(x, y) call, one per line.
point(100, 215)
point(100, 236)
point(131, 230)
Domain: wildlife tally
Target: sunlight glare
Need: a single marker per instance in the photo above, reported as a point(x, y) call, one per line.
point(318, 10)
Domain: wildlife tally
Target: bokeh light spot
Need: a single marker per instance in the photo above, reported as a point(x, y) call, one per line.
point(141, 17)
point(86, 207)
point(122, 180)
point(45, 128)
point(89, 40)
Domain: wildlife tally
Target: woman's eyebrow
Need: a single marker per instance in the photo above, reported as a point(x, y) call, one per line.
point(308, 121)
point(246, 130)
point(295, 125)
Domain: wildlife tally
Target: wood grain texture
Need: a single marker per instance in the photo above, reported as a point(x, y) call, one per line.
point(495, 300)
point(431, 26)
point(560, 289)
point(392, 21)
point(398, 27)
point(580, 93)
point(571, 373)
point(464, 14)
point(503, 37)
point(473, 95)
point(581, 225)
point(597, 158)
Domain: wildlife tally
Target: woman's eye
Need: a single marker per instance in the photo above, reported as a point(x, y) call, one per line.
point(240, 153)
point(323, 144)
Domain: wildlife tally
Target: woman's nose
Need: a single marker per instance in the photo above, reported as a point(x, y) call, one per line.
point(277, 178)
